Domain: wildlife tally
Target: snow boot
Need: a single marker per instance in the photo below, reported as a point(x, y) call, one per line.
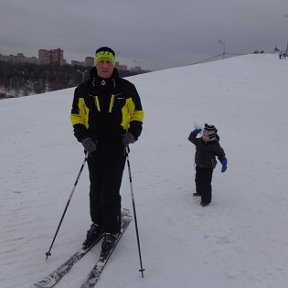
point(92, 235)
point(204, 204)
point(108, 244)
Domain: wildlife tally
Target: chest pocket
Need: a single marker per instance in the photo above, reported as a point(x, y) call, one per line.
point(118, 101)
point(106, 105)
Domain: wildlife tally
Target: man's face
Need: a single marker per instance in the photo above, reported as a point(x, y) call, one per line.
point(104, 69)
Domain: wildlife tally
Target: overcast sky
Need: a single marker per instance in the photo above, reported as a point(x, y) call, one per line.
point(155, 34)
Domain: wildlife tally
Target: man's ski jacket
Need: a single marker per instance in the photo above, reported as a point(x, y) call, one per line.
point(105, 109)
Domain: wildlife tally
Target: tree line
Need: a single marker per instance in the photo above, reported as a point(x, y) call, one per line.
point(22, 79)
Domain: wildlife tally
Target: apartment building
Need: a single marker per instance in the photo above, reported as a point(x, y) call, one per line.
point(53, 56)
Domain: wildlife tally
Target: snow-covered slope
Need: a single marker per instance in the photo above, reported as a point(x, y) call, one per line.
point(240, 240)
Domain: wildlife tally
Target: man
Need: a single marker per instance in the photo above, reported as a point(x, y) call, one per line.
point(106, 116)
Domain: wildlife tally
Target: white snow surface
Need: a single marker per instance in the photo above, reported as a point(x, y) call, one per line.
point(240, 240)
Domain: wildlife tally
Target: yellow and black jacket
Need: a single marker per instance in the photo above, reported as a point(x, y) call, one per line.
point(105, 109)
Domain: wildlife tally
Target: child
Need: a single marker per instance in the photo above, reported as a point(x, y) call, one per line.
point(207, 148)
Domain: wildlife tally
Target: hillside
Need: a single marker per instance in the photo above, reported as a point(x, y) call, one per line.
point(240, 240)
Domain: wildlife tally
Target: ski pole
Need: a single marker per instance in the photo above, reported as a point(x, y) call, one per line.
point(48, 253)
point(134, 211)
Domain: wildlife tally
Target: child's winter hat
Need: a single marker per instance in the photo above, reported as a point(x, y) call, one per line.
point(211, 131)
point(105, 53)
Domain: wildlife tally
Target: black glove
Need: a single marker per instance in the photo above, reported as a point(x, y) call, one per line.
point(128, 138)
point(89, 145)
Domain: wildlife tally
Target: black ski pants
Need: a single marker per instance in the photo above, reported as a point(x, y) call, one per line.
point(203, 181)
point(105, 173)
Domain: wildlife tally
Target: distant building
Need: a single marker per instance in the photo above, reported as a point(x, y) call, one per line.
point(136, 69)
point(57, 56)
point(19, 58)
point(89, 61)
point(76, 63)
point(53, 56)
point(121, 67)
point(44, 56)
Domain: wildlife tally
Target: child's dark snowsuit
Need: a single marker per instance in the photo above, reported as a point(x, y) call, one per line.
point(205, 160)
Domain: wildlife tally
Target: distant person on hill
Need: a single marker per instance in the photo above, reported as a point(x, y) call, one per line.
point(282, 55)
point(207, 148)
point(107, 116)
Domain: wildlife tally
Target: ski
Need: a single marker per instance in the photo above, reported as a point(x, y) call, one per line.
point(54, 277)
point(94, 275)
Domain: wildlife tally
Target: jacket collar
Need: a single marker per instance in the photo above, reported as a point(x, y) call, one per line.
point(103, 83)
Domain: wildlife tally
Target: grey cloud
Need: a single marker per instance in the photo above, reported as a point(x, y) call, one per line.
point(156, 34)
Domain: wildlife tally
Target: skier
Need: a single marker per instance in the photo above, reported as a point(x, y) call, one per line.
point(107, 116)
point(207, 148)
